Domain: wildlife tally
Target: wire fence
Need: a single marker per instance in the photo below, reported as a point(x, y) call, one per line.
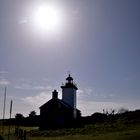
point(16, 133)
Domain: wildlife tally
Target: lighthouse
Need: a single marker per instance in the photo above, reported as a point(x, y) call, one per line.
point(69, 92)
point(60, 113)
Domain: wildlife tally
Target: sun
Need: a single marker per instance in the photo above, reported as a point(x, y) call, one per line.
point(47, 17)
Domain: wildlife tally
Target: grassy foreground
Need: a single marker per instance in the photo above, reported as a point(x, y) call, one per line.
point(108, 136)
point(89, 132)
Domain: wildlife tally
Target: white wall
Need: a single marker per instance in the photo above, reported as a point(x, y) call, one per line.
point(69, 96)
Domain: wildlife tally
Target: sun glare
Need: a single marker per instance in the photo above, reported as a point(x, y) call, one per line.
point(47, 18)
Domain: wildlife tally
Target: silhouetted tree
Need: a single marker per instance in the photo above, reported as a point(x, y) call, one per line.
point(19, 116)
point(33, 119)
point(19, 119)
point(32, 114)
point(113, 111)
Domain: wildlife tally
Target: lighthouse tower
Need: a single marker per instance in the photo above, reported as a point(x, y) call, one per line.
point(69, 92)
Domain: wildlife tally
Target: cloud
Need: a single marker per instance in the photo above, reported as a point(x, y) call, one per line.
point(4, 82)
point(3, 72)
point(86, 105)
point(26, 84)
point(40, 98)
point(31, 87)
point(90, 94)
point(90, 107)
point(86, 101)
point(92, 100)
point(37, 100)
point(23, 20)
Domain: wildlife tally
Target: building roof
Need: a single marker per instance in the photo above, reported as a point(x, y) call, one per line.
point(69, 78)
point(69, 83)
point(60, 102)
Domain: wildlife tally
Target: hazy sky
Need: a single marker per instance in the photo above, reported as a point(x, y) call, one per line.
point(98, 41)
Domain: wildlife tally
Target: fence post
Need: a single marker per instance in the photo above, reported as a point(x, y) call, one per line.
point(16, 131)
point(24, 136)
point(20, 134)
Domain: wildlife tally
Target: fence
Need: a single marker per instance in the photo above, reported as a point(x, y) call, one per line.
point(20, 134)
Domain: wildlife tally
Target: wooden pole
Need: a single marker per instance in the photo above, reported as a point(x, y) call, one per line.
point(4, 105)
point(11, 103)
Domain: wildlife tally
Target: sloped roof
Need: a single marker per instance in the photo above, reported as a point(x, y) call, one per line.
point(60, 102)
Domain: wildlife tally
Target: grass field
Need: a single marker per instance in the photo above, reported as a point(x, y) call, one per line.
point(89, 132)
point(92, 132)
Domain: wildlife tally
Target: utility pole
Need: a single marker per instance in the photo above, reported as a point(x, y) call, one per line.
point(4, 105)
point(11, 103)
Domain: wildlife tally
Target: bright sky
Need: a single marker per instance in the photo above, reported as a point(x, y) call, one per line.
point(98, 41)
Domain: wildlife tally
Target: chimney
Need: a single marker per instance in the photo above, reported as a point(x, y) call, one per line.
point(55, 94)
